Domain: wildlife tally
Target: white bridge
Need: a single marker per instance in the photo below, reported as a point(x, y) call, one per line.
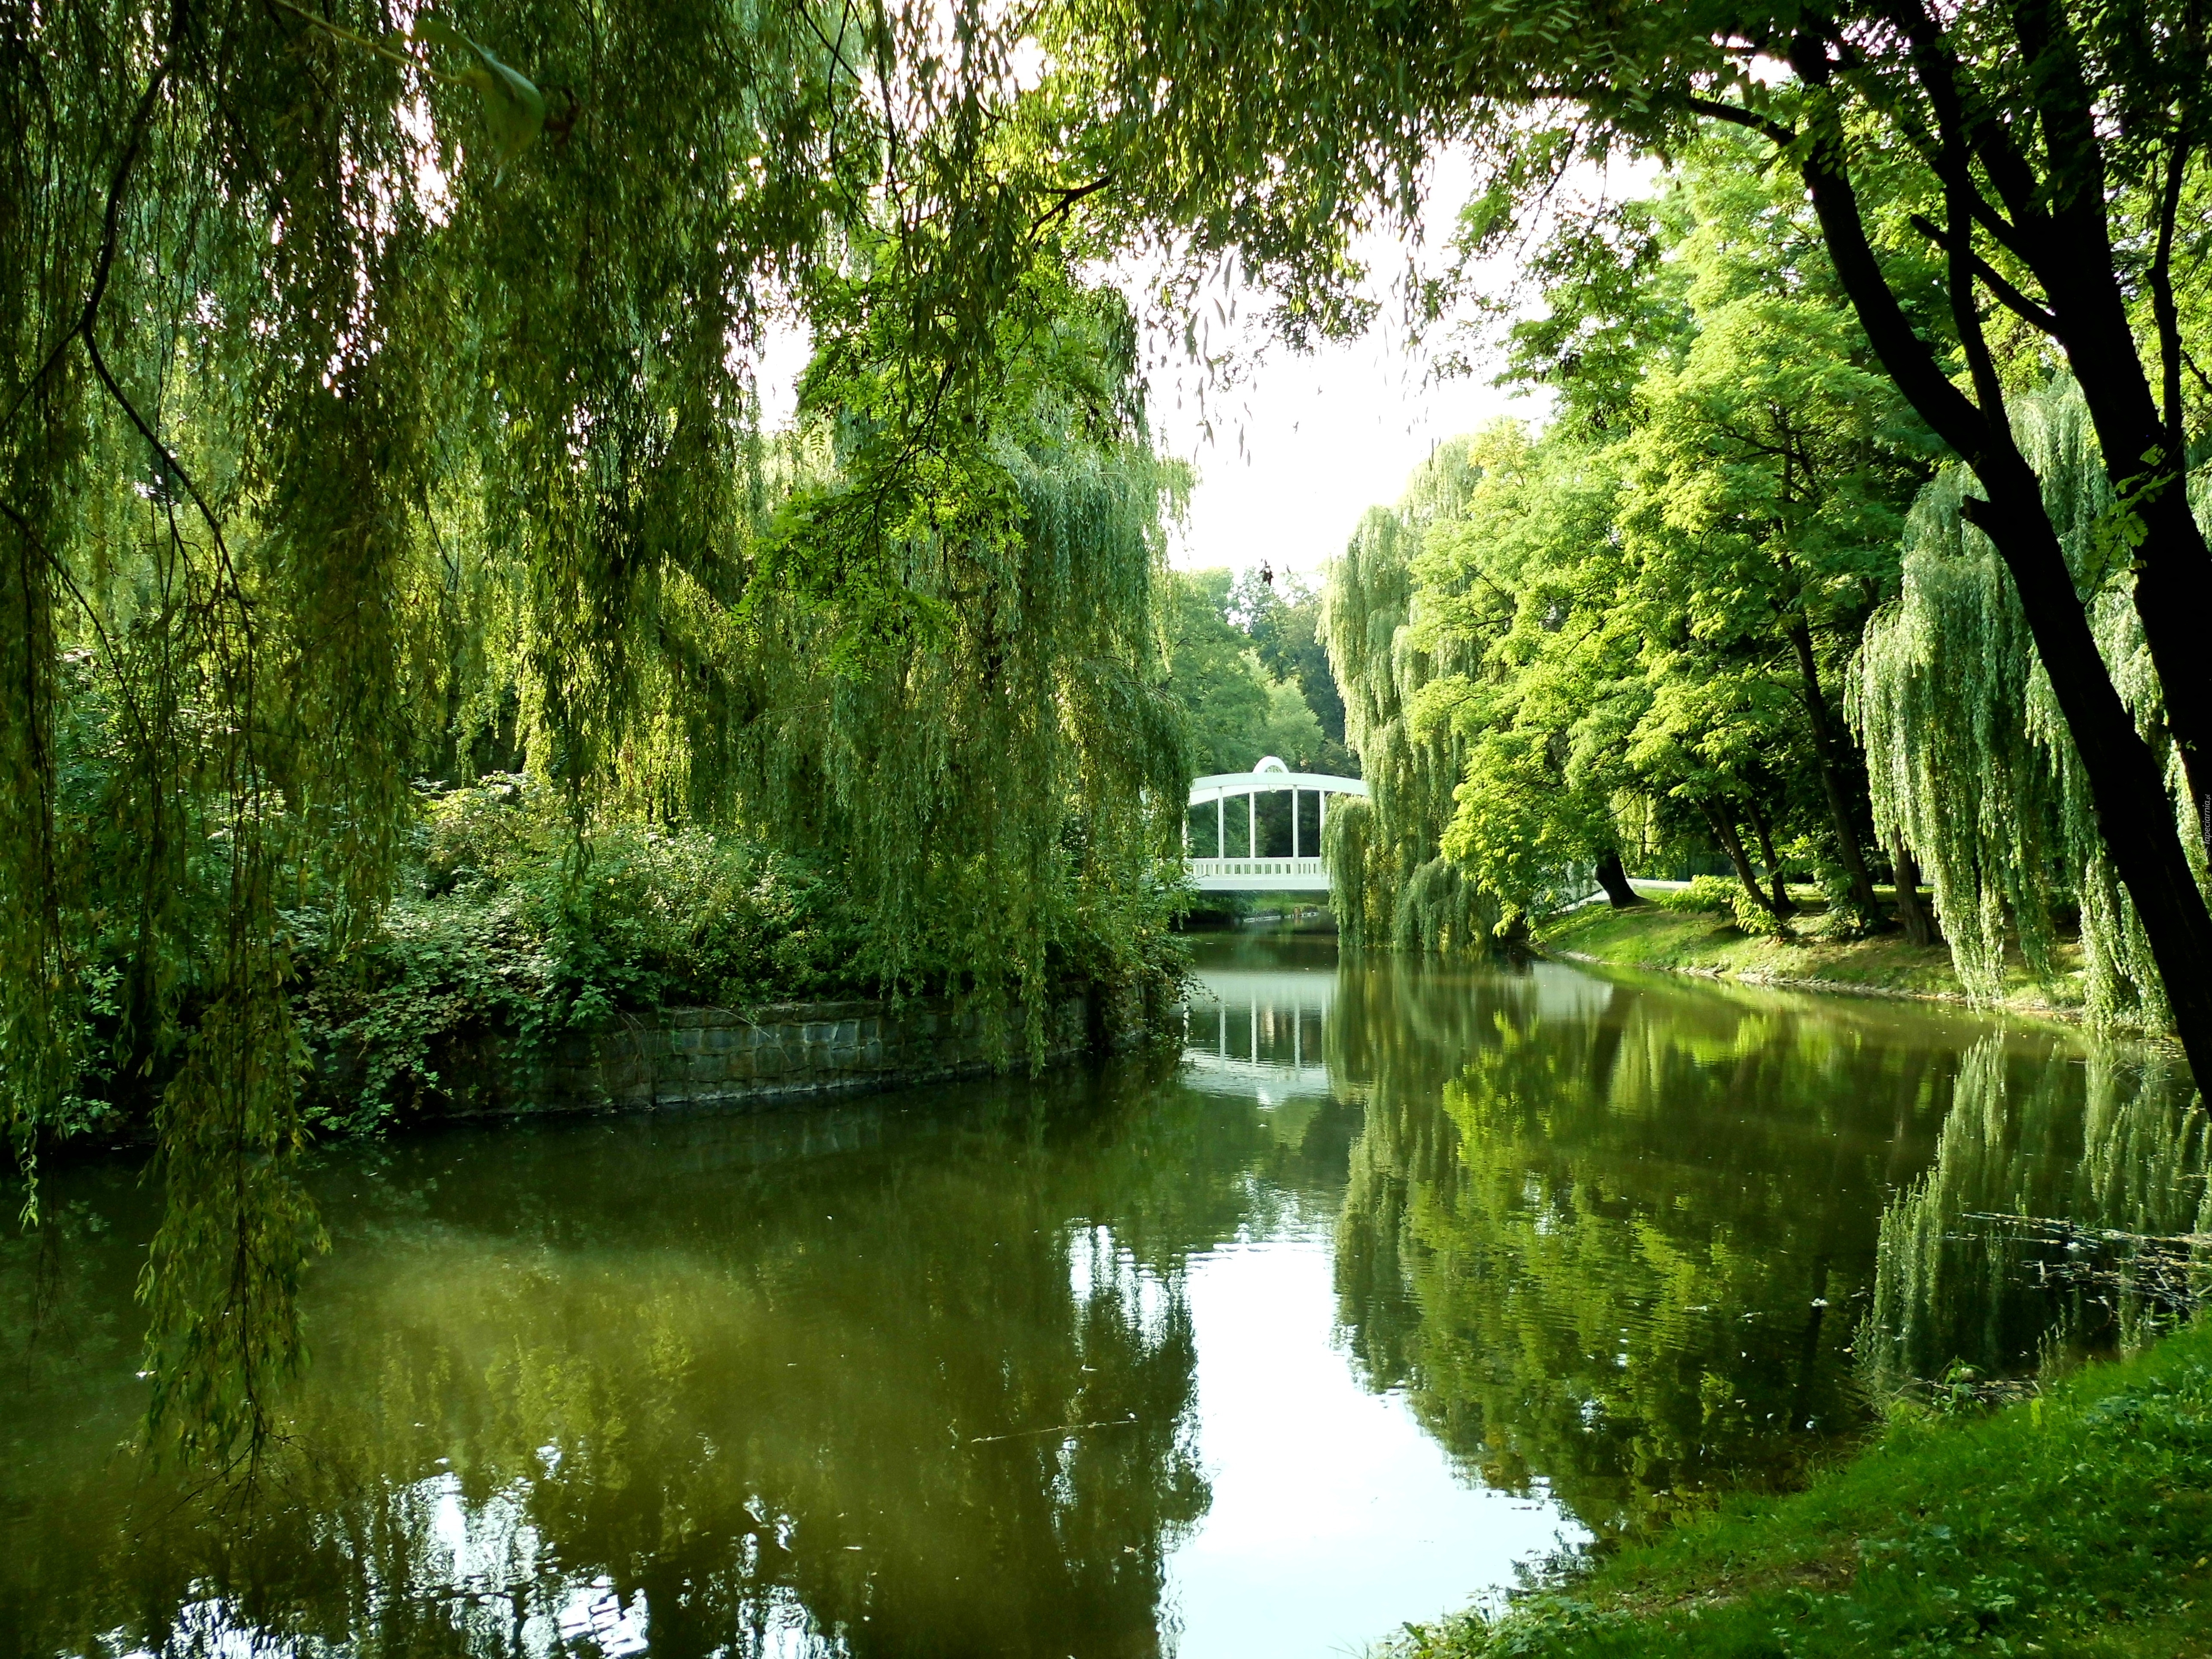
point(1244, 858)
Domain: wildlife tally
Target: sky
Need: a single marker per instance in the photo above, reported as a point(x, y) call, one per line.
point(1290, 458)
point(1308, 444)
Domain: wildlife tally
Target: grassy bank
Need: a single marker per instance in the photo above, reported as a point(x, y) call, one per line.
point(2077, 1523)
point(1667, 937)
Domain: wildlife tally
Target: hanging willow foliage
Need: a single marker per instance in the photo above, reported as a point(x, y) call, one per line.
point(1390, 880)
point(376, 383)
point(1004, 777)
point(1947, 686)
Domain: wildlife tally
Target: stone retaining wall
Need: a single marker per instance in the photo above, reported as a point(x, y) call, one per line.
point(720, 1056)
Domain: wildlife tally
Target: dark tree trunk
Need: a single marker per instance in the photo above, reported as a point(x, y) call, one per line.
point(1828, 752)
point(1783, 905)
point(1614, 880)
point(1919, 925)
point(2134, 814)
point(2067, 241)
point(2173, 579)
point(1731, 840)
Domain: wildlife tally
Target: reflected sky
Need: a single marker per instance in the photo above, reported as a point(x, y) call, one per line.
point(1394, 1280)
point(1366, 1522)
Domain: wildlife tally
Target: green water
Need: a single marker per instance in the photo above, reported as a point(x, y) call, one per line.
point(1397, 1281)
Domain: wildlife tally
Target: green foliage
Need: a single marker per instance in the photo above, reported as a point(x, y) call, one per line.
point(1626, 636)
point(1708, 895)
point(2070, 1522)
point(1284, 618)
point(1391, 883)
point(513, 934)
point(1949, 687)
point(513, 109)
point(1237, 704)
point(1992, 188)
point(332, 457)
point(329, 456)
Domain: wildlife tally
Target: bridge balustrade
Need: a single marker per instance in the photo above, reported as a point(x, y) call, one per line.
point(1303, 871)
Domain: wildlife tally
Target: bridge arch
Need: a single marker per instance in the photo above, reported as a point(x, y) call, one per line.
point(1252, 866)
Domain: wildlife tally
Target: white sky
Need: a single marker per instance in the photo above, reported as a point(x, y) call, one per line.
point(1289, 457)
point(1308, 445)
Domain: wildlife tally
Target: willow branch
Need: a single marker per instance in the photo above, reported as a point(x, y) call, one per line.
point(340, 31)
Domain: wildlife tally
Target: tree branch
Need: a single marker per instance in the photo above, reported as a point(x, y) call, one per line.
point(1066, 200)
point(1719, 109)
point(1909, 359)
point(1988, 276)
point(2167, 313)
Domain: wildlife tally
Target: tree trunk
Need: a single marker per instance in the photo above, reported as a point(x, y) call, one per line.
point(1828, 752)
point(2173, 580)
point(1731, 840)
point(1919, 925)
point(2174, 596)
point(2134, 814)
point(1783, 905)
point(2072, 256)
point(1614, 880)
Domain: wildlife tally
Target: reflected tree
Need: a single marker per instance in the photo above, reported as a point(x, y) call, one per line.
point(2054, 1220)
point(1595, 1268)
point(841, 1381)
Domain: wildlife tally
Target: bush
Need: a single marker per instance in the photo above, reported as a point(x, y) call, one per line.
point(513, 927)
point(1715, 893)
point(1724, 896)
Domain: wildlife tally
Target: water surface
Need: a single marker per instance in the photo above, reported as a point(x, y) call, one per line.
point(1398, 1280)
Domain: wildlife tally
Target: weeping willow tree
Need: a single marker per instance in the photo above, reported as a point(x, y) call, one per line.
point(1390, 881)
point(376, 379)
point(1004, 772)
point(1947, 686)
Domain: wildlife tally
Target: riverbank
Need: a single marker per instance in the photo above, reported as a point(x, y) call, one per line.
point(2078, 1523)
point(1706, 943)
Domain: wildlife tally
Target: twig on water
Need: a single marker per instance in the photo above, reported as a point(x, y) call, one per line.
point(1057, 1428)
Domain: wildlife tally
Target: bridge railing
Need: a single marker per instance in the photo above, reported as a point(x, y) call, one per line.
point(1219, 869)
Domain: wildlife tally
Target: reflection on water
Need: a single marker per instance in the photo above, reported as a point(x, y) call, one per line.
point(2067, 1210)
point(1398, 1277)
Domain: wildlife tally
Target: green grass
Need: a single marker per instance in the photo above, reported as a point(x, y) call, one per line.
point(2079, 1523)
point(1706, 942)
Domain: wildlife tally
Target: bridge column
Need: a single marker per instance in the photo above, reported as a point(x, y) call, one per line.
point(1220, 829)
point(1252, 815)
point(1294, 823)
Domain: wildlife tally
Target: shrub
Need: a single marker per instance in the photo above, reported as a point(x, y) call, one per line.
point(1715, 893)
point(514, 928)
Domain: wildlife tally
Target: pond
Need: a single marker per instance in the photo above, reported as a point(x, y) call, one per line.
point(1398, 1282)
